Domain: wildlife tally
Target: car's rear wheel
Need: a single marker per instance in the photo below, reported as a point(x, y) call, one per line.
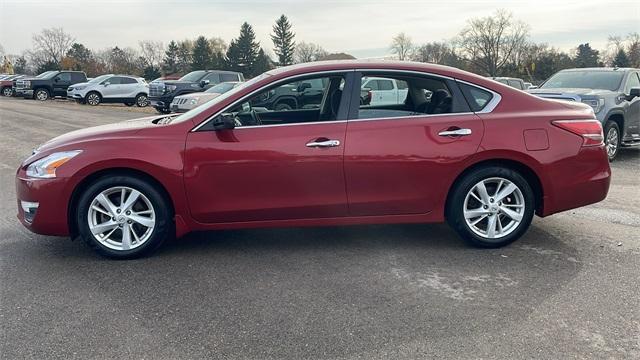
point(93, 98)
point(123, 217)
point(141, 100)
point(41, 94)
point(7, 91)
point(612, 139)
point(491, 206)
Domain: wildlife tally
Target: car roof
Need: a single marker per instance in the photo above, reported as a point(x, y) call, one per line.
point(600, 69)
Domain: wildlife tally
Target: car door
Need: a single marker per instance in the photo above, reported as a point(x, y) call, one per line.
point(400, 160)
point(632, 118)
point(128, 87)
point(60, 84)
point(288, 166)
point(110, 88)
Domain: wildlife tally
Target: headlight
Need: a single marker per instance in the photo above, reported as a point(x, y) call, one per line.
point(27, 83)
point(79, 87)
point(170, 88)
point(46, 167)
point(596, 104)
point(194, 101)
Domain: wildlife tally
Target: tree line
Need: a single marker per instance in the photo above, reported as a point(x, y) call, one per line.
point(496, 45)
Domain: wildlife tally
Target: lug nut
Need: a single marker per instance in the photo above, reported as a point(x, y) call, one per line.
point(113, 219)
point(128, 212)
point(118, 211)
point(491, 200)
point(485, 207)
point(129, 222)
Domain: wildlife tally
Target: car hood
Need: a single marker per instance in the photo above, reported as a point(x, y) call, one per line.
point(199, 96)
point(100, 132)
point(80, 84)
point(575, 91)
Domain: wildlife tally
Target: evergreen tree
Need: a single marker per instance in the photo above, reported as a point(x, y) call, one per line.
point(586, 56)
point(243, 51)
point(263, 63)
point(621, 59)
point(283, 43)
point(201, 54)
point(20, 65)
point(184, 57)
point(170, 61)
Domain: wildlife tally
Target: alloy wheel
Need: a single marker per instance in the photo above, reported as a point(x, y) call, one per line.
point(142, 101)
point(7, 92)
point(42, 95)
point(121, 218)
point(612, 142)
point(494, 208)
point(93, 99)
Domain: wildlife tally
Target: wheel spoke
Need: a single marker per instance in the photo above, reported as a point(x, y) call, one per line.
point(491, 226)
point(135, 236)
point(143, 212)
point(474, 213)
point(499, 223)
point(107, 204)
point(474, 222)
point(101, 228)
point(505, 192)
point(144, 221)
point(482, 191)
point(512, 214)
point(126, 237)
point(133, 197)
point(98, 209)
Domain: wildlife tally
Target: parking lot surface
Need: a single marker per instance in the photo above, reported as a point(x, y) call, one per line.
point(570, 288)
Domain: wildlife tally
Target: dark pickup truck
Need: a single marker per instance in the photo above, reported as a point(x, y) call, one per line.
point(162, 92)
point(48, 84)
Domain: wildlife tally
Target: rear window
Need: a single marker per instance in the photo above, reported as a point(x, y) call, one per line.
point(476, 97)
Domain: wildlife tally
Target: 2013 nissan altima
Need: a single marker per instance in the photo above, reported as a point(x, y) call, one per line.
point(456, 147)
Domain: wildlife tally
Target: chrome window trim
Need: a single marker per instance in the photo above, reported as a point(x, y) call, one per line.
point(275, 83)
point(493, 103)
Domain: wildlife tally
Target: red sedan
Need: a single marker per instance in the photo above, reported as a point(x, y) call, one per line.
point(450, 146)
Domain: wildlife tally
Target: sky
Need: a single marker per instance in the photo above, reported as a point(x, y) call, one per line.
point(361, 28)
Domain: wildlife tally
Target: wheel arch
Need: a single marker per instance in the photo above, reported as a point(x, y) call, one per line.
point(618, 118)
point(93, 91)
point(87, 180)
point(525, 170)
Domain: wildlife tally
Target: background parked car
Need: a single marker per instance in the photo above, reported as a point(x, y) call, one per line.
point(511, 81)
point(161, 93)
point(187, 102)
point(110, 88)
point(7, 84)
point(48, 84)
point(614, 95)
point(383, 91)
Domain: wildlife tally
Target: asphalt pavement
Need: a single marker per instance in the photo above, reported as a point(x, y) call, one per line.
point(570, 288)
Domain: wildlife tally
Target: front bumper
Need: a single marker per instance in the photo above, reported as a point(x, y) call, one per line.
point(163, 102)
point(42, 206)
point(180, 108)
point(27, 93)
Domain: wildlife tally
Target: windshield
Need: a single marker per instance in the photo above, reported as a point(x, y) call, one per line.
point(98, 79)
point(197, 110)
point(193, 76)
point(604, 80)
point(221, 88)
point(46, 74)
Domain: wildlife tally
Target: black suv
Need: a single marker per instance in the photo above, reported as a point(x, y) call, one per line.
point(306, 94)
point(48, 84)
point(162, 92)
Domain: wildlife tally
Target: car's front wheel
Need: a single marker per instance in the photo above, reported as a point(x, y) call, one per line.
point(41, 94)
point(491, 206)
point(612, 139)
point(93, 98)
point(123, 216)
point(162, 110)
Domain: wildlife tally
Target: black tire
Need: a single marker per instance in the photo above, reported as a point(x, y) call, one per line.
point(41, 94)
point(162, 229)
point(612, 139)
point(456, 203)
point(93, 98)
point(7, 91)
point(283, 107)
point(163, 110)
point(141, 100)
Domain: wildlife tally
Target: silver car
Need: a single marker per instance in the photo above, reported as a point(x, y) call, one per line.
point(189, 101)
point(110, 88)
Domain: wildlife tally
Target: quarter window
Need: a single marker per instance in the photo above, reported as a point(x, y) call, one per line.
point(476, 98)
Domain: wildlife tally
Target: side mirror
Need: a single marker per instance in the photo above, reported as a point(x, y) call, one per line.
point(204, 83)
point(56, 79)
point(634, 92)
point(225, 121)
point(303, 86)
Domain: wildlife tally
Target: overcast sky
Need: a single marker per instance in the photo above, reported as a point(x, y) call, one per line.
point(362, 28)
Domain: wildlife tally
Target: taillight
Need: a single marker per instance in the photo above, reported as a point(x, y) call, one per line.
point(589, 130)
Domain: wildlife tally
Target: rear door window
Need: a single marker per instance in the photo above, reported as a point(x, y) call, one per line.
point(128, 80)
point(476, 98)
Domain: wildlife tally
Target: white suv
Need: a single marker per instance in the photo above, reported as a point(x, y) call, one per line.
point(110, 88)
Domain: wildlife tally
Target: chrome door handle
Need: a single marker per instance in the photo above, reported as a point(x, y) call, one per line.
point(325, 143)
point(456, 132)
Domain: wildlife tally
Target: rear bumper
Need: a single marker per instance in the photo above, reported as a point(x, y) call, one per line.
point(45, 198)
point(577, 181)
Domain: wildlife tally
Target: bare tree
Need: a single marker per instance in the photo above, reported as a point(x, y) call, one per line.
point(307, 52)
point(151, 51)
point(52, 44)
point(402, 46)
point(433, 52)
point(490, 42)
